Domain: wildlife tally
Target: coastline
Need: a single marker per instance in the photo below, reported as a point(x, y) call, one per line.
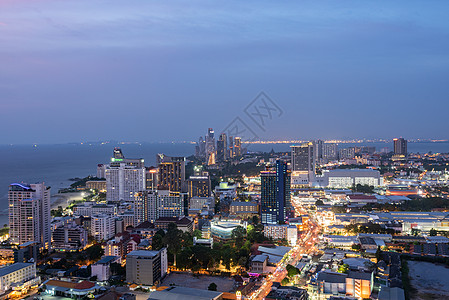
point(64, 199)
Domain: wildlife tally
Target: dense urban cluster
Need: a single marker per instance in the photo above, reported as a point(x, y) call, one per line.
point(321, 221)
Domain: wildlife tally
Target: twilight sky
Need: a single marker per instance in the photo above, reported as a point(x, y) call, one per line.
point(93, 70)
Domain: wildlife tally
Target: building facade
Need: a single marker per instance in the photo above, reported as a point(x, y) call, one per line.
point(275, 194)
point(29, 214)
point(146, 267)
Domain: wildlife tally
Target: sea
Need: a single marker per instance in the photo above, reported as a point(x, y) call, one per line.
point(57, 164)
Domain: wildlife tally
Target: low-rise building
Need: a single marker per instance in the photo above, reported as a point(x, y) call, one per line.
point(259, 264)
point(333, 283)
point(18, 277)
point(102, 268)
point(222, 230)
point(359, 284)
point(279, 232)
point(70, 289)
point(244, 209)
point(178, 292)
point(99, 185)
point(183, 223)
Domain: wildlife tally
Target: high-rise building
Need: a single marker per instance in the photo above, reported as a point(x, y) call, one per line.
point(151, 178)
point(151, 205)
point(346, 153)
point(172, 172)
point(303, 162)
point(329, 152)
point(210, 145)
point(400, 146)
point(124, 177)
point(69, 237)
point(275, 194)
point(146, 267)
point(237, 146)
point(102, 227)
point(29, 214)
point(199, 186)
point(222, 148)
point(319, 150)
point(303, 157)
point(231, 147)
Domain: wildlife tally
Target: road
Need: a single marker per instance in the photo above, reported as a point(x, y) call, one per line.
point(306, 245)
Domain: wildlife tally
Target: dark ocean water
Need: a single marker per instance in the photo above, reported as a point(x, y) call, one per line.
point(55, 164)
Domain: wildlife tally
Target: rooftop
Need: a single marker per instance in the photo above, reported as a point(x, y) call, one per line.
point(107, 260)
point(360, 275)
point(332, 277)
point(184, 293)
point(143, 253)
point(12, 268)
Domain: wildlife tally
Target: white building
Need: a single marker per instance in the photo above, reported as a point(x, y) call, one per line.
point(18, 276)
point(344, 178)
point(224, 189)
point(102, 268)
point(201, 202)
point(151, 205)
point(278, 232)
point(29, 214)
point(124, 178)
point(69, 237)
point(102, 227)
point(88, 209)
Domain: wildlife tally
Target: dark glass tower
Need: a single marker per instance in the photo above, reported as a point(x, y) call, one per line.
point(400, 146)
point(275, 194)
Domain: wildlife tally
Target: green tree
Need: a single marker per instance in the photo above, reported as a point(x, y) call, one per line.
point(319, 202)
point(173, 239)
point(157, 241)
point(197, 233)
point(212, 287)
point(292, 271)
point(433, 232)
point(255, 220)
point(343, 268)
point(94, 252)
point(238, 235)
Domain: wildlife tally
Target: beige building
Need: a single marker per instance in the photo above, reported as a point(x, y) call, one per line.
point(244, 209)
point(145, 267)
point(99, 185)
point(18, 276)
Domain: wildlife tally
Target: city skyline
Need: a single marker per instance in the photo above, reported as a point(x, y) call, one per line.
point(345, 69)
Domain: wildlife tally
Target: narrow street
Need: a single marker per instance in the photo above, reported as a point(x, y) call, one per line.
point(306, 245)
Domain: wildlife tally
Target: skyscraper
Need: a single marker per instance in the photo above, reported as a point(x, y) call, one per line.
point(210, 143)
point(222, 148)
point(231, 147)
point(237, 146)
point(275, 194)
point(124, 177)
point(329, 152)
point(400, 146)
point(303, 157)
point(29, 214)
point(172, 172)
